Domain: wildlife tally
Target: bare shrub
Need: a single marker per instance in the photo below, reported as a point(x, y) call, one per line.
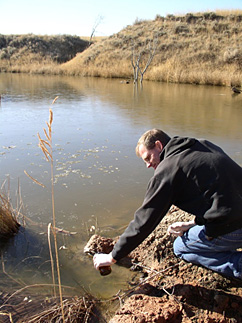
point(233, 55)
point(220, 27)
point(180, 28)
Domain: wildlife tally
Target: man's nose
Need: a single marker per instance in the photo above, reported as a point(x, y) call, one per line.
point(148, 165)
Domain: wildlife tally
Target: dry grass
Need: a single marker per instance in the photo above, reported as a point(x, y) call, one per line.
point(42, 309)
point(200, 48)
point(9, 216)
point(95, 39)
point(8, 223)
point(37, 54)
point(76, 309)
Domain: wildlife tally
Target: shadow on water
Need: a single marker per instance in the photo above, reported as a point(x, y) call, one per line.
point(24, 256)
point(25, 262)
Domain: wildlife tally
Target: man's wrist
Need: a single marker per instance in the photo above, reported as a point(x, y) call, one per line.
point(112, 260)
point(192, 222)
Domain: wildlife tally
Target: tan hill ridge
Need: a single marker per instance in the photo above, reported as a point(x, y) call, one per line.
point(201, 48)
point(195, 48)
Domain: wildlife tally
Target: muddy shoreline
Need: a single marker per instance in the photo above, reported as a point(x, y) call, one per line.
point(170, 289)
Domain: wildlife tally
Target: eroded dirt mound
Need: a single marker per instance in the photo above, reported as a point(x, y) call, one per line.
point(143, 308)
point(172, 290)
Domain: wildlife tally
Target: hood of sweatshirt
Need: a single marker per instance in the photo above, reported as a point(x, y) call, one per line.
point(175, 145)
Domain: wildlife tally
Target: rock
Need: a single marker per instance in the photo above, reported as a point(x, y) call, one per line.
point(98, 244)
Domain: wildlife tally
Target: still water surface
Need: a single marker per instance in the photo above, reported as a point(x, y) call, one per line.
point(99, 181)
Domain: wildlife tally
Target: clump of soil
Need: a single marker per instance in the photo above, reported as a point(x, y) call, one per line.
point(172, 290)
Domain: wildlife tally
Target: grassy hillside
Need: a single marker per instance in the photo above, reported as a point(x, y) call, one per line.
point(201, 48)
point(196, 48)
point(40, 54)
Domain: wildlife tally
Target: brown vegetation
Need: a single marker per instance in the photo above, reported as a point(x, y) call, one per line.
point(9, 216)
point(195, 48)
point(201, 48)
point(22, 306)
point(37, 54)
point(8, 219)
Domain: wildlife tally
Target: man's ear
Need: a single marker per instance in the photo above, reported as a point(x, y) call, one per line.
point(159, 145)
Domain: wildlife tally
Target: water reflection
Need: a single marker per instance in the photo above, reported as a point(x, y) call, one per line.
point(98, 179)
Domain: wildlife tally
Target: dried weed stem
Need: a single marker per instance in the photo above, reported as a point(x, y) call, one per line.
point(47, 149)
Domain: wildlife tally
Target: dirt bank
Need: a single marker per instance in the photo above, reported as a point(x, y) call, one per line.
point(172, 290)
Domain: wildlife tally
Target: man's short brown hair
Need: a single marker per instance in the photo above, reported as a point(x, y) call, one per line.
point(149, 138)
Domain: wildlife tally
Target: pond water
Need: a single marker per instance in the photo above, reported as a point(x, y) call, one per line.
point(99, 181)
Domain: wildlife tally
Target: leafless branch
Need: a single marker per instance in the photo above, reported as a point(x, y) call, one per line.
point(97, 22)
point(138, 59)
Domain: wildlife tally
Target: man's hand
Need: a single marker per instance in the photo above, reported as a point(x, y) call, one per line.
point(178, 228)
point(103, 259)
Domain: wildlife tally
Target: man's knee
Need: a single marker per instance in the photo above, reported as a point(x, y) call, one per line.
point(178, 247)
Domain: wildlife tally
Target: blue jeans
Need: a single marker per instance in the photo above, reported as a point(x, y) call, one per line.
point(219, 254)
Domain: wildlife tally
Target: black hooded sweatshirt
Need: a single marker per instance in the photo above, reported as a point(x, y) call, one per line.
point(198, 177)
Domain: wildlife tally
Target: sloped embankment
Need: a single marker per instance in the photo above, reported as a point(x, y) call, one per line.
point(172, 290)
point(23, 52)
point(202, 48)
point(198, 48)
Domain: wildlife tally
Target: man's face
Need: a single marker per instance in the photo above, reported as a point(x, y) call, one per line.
point(151, 157)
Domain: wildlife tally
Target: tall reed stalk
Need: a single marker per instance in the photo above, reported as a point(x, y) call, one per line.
point(47, 149)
